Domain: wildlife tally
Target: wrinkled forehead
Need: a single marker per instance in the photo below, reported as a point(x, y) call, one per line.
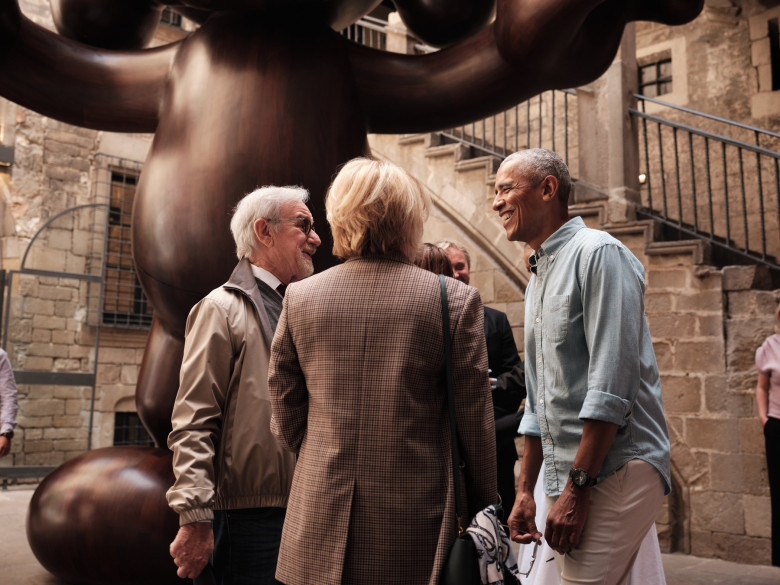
point(295, 209)
point(510, 173)
point(456, 255)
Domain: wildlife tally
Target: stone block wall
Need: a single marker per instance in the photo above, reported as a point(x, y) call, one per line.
point(706, 325)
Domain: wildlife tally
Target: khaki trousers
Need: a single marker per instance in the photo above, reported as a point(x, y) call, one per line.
point(622, 509)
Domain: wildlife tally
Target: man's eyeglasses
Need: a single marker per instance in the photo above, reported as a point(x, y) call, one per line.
point(533, 559)
point(304, 223)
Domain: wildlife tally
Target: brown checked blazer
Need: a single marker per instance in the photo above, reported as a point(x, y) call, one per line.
point(357, 390)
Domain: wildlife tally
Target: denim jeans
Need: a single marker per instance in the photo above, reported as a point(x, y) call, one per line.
point(246, 545)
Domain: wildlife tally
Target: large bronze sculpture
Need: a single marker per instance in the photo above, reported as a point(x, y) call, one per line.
point(265, 92)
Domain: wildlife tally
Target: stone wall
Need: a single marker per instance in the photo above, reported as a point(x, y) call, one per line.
point(706, 324)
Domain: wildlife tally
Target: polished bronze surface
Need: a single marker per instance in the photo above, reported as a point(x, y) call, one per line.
point(264, 92)
point(443, 22)
point(129, 24)
point(102, 518)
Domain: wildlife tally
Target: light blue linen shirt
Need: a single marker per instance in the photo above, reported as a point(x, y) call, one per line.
point(589, 354)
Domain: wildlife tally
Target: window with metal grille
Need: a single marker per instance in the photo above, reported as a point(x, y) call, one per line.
point(171, 18)
point(774, 52)
point(124, 301)
point(656, 78)
point(129, 430)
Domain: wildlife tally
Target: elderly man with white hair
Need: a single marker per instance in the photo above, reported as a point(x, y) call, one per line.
point(229, 468)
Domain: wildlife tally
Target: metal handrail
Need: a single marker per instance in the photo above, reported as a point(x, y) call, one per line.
point(697, 182)
point(698, 132)
point(531, 123)
point(643, 98)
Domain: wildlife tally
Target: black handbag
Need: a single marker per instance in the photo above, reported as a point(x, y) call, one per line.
point(462, 565)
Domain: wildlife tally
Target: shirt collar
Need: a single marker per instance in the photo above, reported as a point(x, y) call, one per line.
point(559, 238)
point(265, 276)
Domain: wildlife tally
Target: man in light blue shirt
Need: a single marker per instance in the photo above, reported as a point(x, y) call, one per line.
point(594, 412)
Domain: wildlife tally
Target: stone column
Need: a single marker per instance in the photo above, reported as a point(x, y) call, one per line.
point(608, 147)
point(398, 40)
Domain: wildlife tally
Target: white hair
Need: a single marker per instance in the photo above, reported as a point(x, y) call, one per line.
point(537, 163)
point(265, 202)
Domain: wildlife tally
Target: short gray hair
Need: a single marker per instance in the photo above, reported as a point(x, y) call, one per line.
point(447, 244)
point(265, 202)
point(537, 163)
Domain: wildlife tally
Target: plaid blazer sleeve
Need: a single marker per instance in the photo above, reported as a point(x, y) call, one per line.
point(287, 387)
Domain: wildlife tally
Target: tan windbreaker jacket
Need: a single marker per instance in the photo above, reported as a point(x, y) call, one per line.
point(224, 455)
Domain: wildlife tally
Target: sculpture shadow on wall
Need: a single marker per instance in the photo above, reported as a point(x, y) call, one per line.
point(263, 92)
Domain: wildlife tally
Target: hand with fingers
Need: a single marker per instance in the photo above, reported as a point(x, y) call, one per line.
point(192, 548)
point(566, 519)
point(522, 520)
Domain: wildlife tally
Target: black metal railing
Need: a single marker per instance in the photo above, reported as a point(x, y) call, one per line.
point(368, 31)
point(720, 186)
point(548, 120)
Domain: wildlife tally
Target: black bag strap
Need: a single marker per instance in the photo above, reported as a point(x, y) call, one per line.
point(457, 463)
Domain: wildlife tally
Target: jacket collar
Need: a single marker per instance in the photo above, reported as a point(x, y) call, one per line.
point(243, 280)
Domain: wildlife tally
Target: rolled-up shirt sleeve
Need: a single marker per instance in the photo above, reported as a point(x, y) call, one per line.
point(612, 298)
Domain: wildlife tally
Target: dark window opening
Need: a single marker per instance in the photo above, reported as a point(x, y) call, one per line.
point(656, 78)
point(129, 430)
point(774, 52)
point(124, 301)
point(171, 18)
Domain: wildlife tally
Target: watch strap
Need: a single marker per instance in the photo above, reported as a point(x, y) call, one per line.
point(577, 473)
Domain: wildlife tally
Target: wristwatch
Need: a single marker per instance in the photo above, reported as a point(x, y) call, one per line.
point(580, 478)
point(8, 434)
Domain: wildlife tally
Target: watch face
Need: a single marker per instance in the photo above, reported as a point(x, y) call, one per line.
point(579, 477)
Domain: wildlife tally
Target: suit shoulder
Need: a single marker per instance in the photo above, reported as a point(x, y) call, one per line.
point(494, 314)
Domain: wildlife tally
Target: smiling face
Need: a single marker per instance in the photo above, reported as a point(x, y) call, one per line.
point(284, 248)
point(460, 264)
point(520, 202)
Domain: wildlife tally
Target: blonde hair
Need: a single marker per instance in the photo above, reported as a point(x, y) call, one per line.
point(375, 208)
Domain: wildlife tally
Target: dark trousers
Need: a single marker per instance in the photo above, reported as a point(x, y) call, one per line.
point(772, 442)
point(246, 545)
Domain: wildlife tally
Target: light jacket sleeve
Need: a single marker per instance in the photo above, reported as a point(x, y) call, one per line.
point(198, 410)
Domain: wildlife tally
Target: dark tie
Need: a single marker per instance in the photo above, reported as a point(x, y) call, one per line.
point(280, 289)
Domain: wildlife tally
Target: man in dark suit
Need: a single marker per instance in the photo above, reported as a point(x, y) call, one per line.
point(507, 378)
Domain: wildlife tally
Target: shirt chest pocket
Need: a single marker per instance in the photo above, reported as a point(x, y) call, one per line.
point(555, 317)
